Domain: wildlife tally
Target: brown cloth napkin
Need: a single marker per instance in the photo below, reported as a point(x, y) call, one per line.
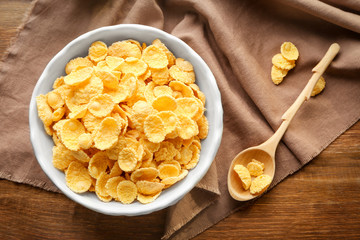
point(237, 39)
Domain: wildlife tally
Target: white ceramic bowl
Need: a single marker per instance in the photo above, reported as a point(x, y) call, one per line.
point(43, 144)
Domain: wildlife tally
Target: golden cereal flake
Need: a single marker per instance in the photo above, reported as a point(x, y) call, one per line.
point(76, 63)
point(279, 61)
point(144, 174)
point(289, 51)
point(173, 180)
point(133, 65)
point(182, 76)
point(111, 185)
point(170, 120)
point(145, 199)
point(170, 56)
point(98, 51)
point(154, 129)
point(187, 127)
point(113, 63)
point(77, 177)
point(108, 78)
point(126, 191)
point(184, 65)
point(127, 159)
point(76, 78)
point(62, 157)
point(278, 74)
point(155, 57)
point(98, 164)
point(244, 175)
point(107, 134)
point(320, 85)
point(164, 103)
point(255, 168)
point(124, 50)
point(148, 187)
point(44, 110)
point(260, 184)
point(101, 105)
point(70, 132)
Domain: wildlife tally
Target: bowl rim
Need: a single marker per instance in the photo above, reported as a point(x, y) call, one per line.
point(217, 127)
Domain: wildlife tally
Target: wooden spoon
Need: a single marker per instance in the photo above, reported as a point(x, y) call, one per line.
point(266, 152)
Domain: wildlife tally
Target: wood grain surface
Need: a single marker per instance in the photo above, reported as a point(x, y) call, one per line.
point(322, 201)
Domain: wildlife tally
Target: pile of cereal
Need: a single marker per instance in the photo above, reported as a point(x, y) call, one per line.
point(126, 121)
point(285, 61)
point(253, 169)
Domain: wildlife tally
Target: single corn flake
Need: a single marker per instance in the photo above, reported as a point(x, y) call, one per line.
point(279, 61)
point(155, 57)
point(144, 174)
point(170, 120)
point(320, 85)
point(187, 127)
point(44, 110)
point(145, 199)
point(184, 65)
point(127, 159)
point(164, 103)
point(124, 50)
point(75, 78)
point(168, 170)
point(55, 100)
point(100, 188)
point(149, 188)
point(260, 184)
point(185, 90)
point(85, 140)
point(170, 56)
point(133, 65)
point(70, 132)
point(244, 175)
point(154, 129)
point(58, 114)
point(182, 76)
point(289, 51)
point(98, 51)
point(98, 164)
point(76, 63)
point(160, 76)
point(173, 180)
point(62, 157)
point(278, 74)
point(126, 191)
point(77, 177)
point(162, 90)
point(203, 126)
point(111, 185)
point(187, 106)
point(101, 105)
point(107, 134)
point(255, 168)
point(81, 156)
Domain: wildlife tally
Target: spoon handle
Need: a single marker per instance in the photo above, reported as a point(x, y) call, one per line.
point(271, 144)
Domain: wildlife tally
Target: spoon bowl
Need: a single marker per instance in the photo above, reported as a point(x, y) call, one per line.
point(265, 152)
point(244, 158)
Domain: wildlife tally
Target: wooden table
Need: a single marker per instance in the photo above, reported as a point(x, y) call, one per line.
point(322, 201)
